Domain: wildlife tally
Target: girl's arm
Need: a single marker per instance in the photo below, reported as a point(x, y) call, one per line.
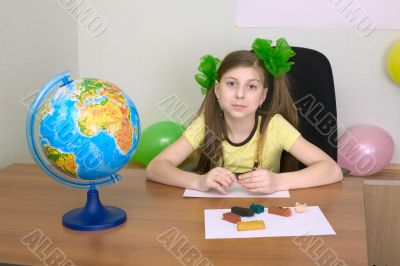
point(321, 169)
point(163, 168)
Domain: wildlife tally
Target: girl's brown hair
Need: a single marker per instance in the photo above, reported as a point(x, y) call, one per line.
point(278, 100)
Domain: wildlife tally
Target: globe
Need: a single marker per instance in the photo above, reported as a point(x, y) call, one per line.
point(81, 133)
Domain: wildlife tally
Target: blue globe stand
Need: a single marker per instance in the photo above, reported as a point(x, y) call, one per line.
point(94, 216)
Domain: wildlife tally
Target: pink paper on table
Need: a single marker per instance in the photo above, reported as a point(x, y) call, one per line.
point(236, 191)
point(363, 15)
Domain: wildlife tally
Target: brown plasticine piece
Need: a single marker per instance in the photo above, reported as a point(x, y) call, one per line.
point(281, 211)
point(231, 217)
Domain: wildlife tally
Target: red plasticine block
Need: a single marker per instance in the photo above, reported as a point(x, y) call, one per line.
point(286, 212)
point(231, 217)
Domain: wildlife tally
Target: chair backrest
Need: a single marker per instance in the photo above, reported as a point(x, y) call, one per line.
point(313, 92)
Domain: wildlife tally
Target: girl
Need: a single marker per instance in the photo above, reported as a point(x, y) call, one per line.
point(245, 122)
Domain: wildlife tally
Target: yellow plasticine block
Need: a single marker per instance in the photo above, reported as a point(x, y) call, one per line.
point(251, 225)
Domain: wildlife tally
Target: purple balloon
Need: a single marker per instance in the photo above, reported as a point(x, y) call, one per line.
point(365, 150)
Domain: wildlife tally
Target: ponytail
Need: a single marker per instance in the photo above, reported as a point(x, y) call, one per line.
point(279, 101)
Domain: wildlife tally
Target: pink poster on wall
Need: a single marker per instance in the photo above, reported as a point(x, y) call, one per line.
point(363, 15)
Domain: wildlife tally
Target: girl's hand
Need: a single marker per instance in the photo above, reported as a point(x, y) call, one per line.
point(217, 178)
point(259, 181)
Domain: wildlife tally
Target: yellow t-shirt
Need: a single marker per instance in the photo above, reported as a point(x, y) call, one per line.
point(280, 135)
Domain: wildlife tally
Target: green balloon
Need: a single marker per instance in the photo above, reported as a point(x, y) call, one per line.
point(155, 139)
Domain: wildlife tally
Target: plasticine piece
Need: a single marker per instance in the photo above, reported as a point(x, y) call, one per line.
point(280, 211)
point(250, 225)
point(257, 208)
point(231, 217)
point(244, 212)
point(237, 175)
point(301, 207)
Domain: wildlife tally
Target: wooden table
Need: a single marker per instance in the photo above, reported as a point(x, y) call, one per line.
point(32, 204)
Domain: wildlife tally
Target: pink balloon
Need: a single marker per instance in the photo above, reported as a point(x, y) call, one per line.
point(365, 150)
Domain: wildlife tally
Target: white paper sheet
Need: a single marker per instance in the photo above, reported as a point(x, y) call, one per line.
point(236, 191)
point(312, 222)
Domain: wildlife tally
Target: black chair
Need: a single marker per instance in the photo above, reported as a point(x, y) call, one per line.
point(313, 92)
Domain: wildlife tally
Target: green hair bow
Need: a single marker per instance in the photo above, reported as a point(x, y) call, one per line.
point(208, 68)
point(275, 59)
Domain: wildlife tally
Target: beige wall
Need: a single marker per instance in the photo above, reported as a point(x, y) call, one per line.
point(38, 39)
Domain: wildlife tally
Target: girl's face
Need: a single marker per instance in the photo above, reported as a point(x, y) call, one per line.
point(241, 91)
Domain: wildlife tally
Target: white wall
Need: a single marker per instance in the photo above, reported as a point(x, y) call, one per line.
point(151, 50)
point(38, 40)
